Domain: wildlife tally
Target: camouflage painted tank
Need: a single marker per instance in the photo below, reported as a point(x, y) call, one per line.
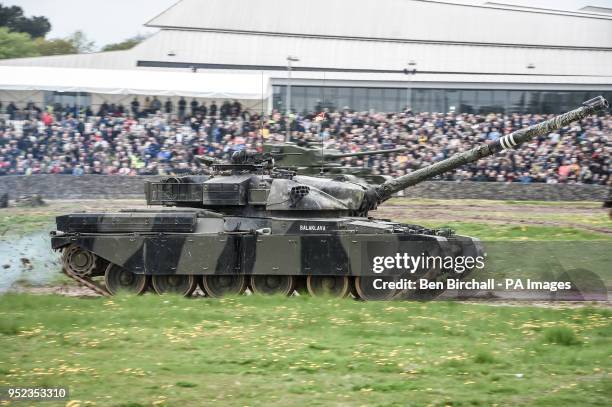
point(252, 225)
point(310, 159)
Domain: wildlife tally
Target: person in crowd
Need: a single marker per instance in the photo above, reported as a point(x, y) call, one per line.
point(10, 110)
point(155, 105)
point(147, 106)
point(104, 109)
point(194, 107)
point(58, 110)
point(135, 105)
point(182, 103)
point(213, 109)
point(225, 109)
point(168, 106)
point(236, 108)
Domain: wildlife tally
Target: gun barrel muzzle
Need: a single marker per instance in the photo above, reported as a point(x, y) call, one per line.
point(598, 103)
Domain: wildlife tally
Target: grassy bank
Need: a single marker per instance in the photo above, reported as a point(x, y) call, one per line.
point(506, 220)
point(21, 224)
point(487, 231)
point(132, 351)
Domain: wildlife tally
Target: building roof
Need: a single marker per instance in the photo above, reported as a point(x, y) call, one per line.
point(398, 20)
point(580, 12)
point(597, 9)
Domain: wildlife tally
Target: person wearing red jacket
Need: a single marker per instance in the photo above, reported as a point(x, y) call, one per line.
point(47, 119)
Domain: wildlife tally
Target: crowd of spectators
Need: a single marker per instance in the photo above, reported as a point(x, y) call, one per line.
point(162, 137)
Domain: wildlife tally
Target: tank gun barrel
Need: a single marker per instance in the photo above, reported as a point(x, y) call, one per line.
point(385, 190)
point(364, 153)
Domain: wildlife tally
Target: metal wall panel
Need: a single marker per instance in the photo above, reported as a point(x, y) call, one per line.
point(393, 19)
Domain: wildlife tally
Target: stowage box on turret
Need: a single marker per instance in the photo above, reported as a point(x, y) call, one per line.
point(252, 225)
point(311, 159)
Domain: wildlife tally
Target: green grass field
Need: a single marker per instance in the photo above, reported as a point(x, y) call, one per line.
point(20, 224)
point(132, 351)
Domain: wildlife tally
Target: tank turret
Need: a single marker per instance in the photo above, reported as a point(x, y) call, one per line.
point(310, 154)
point(310, 158)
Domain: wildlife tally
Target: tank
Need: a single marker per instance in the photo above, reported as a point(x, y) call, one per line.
point(252, 225)
point(310, 159)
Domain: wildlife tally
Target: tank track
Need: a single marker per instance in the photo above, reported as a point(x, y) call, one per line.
point(81, 266)
point(87, 282)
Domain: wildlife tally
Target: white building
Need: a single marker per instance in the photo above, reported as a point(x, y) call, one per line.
point(383, 55)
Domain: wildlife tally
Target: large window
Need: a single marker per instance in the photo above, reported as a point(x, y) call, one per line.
point(375, 100)
point(421, 100)
point(309, 99)
point(391, 100)
point(298, 98)
point(469, 101)
point(453, 100)
point(344, 98)
point(314, 99)
point(532, 102)
point(516, 101)
point(360, 99)
point(438, 104)
point(330, 98)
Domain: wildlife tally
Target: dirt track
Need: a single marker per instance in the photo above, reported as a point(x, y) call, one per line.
point(567, 214)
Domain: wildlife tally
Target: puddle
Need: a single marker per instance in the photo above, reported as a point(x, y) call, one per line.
point(27, 260)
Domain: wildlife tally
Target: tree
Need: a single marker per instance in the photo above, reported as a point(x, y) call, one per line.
point(57, 46)
point(12, 17)
point(80, 42)
point(19, 45)
point(126, 44)
point(16, 45)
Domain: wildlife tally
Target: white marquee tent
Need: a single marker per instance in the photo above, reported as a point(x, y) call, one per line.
point(249, 86)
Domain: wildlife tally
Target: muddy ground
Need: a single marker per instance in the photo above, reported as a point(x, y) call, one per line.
point(588, 216)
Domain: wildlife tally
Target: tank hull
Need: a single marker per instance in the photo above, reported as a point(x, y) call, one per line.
point(196, 244)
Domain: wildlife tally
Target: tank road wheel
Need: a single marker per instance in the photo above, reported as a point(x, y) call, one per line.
point(79, 262)
point(335, 286)
point(365, 289)
point(273, 284)
point(218, 285)
point(181, 284)
point(118, 279)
